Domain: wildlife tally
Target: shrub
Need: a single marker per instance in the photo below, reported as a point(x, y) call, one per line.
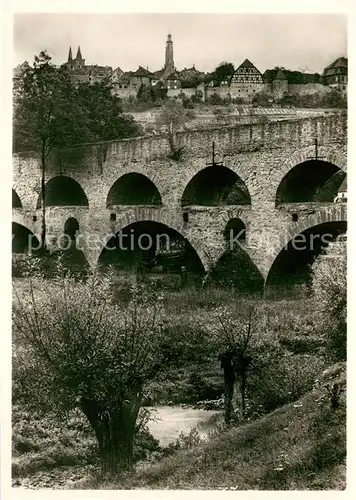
point(280, 377)
point(329, 288)
point(82, 351)
point(215, 99)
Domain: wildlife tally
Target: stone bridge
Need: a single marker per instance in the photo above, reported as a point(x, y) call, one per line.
point(277, 165)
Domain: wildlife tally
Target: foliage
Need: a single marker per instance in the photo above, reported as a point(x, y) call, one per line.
point(173, 115)
point(296, 77)
point(50, 112)
point(329, 287)
point(215, 99)
point(235, 355)
point(146, 93)
point(78, 350)
point(41, 442)
point(332, 98)
point(301, 446)
point(223, 72)
point(103, 118)
point(197, 97)
point(263, 99)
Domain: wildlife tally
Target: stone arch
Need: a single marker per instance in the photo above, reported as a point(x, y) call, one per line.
point(327, 156)
point(153, 247)
point(23, 239)
point(215, 185)
point(16, 201)
point(163, 216)
point(63, 191)
point(71, 226)
point(235, 228)
point(133, 188)
point(24, 219)
point(334, 213)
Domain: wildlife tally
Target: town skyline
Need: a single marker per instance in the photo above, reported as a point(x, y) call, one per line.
point(141, 39)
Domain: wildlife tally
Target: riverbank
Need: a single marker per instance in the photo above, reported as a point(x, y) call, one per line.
point(300, 446)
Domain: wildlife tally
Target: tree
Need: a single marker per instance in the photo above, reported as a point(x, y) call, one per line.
point(329, 290)
point(146, 94)
point(76, 348)
point(172, 116)
point(235, 356)
point(223, 72)
point(45, 115)
point(215, 99)
point(102, 115)
point(50, 112)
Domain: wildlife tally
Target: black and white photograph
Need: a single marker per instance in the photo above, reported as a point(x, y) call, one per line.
point(179, 251)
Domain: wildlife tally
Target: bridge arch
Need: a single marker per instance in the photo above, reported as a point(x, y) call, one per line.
point(162, 216)
point(16, 201)
point(332, 221)
point(63, 191)
point(23, 239)
point(303, 177)
point(216, 185)
point(133, 188)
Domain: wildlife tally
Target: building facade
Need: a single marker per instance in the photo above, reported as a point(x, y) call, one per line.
point(336, 74)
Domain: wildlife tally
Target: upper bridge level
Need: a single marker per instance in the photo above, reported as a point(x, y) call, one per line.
point(270, 176)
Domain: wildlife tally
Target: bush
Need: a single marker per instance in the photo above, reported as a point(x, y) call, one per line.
point(80, 350)
point(329, 288)
point(215, 99)
point(280, 378)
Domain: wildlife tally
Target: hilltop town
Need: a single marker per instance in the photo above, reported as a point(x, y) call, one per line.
point(243, 84)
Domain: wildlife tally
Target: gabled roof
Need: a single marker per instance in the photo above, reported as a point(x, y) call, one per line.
point(94, 69)
point(142, 72)
point(173, 76)
point(341, 62)
point(246, 64)
point(280, 75)
point(157, 74)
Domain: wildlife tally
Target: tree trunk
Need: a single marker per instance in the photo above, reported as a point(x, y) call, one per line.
point(229, 383)
point(115, 432)
point(43, 200)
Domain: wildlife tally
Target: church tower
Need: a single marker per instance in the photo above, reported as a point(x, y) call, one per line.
point(79, 61)
point(169, 62)
point(70, 58)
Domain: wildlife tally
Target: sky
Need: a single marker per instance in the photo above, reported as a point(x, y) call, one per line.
point(306, 42)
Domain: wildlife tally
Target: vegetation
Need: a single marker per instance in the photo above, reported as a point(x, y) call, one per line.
point(50, 112)
point(79, 350)
point(223, 72)
point(173, 115)
point(293, 77)
point(329, 284)
point(284, 353)
point(300, 446)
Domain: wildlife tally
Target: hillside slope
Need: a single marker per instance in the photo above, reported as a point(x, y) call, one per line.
point(299, 446)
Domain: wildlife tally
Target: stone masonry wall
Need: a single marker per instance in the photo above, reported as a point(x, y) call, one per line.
point(260, 154)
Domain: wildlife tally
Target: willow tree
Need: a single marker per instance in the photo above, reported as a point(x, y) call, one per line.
point(76, 348)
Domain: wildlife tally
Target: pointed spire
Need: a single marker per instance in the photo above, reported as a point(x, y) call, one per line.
point(79, 54)
point(70, 57)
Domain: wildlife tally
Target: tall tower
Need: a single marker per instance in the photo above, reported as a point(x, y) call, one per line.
point(70, 59)
point(79, 61)
point(169, 62)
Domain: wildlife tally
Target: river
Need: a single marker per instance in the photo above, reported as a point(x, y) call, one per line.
point(170, 421)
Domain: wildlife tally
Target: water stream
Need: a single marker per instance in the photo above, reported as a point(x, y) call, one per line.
point(170, 421)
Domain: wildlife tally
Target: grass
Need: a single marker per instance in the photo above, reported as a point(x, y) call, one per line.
point(300, 446)
point(41, 443)
point(291, 448)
